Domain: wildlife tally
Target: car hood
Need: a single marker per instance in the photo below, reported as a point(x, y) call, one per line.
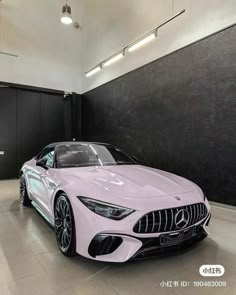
point(128, 181)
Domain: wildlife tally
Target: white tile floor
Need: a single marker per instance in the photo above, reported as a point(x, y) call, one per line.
point(30, 263)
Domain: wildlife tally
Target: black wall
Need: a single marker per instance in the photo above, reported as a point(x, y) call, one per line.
point(177, 114)
point(31, 118)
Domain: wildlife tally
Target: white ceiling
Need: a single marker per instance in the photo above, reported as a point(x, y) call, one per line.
point(49, 52)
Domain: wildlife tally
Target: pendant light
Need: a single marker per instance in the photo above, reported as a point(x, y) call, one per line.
point(66, 18)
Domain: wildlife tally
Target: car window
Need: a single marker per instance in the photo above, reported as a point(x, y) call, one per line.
point(43, 152)
point(49, 159)
point(47, 155)
point(86, 154)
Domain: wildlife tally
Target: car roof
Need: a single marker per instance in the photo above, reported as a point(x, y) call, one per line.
point(74, 143)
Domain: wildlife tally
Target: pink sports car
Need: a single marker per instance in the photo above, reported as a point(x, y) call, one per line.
point(105, 206)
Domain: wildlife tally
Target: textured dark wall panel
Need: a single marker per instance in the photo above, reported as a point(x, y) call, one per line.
point(177, 114)
point(29, 120)
point(8, 132)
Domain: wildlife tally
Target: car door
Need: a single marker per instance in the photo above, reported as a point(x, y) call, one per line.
point(40, 181)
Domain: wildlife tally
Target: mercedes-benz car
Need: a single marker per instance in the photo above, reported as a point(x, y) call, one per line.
point(105, 206)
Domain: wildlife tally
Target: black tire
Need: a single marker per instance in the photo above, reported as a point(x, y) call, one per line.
point(65, 226)
point(24, 197)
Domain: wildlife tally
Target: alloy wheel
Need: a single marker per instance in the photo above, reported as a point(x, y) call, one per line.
point(22, 189)
point(63, 223)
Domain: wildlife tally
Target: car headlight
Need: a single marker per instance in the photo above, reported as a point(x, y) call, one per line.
point(105, 209)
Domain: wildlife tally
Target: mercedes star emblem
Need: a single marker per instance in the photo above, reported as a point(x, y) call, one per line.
point(181, 218)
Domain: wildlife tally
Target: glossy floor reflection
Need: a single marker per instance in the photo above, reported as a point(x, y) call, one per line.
point(30, 263)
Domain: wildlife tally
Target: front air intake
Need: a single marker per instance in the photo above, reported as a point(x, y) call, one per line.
point(104, 244)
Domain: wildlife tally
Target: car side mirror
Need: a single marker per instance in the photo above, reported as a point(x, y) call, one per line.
point(42, 163)
point(134, 158)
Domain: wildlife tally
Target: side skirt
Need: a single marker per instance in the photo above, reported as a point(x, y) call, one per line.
point(42, 213)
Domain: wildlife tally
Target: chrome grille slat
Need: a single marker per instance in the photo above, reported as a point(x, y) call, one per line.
point(200, 211)
point(146, 228)
point(159, 227)
point(139, 225)
point(172, 219)
point(164, 220)
point(191, 215)
point(197, 215)
point(194, 214)
point(153, 221)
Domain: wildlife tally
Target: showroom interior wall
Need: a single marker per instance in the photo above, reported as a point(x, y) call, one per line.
point(31, 118)
point(176, 114)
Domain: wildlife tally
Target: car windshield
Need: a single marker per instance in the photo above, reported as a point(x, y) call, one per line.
point(85, 154)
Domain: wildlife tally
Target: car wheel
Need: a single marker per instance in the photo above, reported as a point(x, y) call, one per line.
point(65, 226)
point(24, 197)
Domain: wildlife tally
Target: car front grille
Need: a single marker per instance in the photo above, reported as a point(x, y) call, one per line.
point(166, 220)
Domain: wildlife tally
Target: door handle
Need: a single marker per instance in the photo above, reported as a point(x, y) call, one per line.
point(2, 153)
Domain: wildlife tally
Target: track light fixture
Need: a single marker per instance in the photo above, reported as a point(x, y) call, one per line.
point(66, 18)
point(113, 59)
point(142, 41)
point(93, 71)
point(131, 47)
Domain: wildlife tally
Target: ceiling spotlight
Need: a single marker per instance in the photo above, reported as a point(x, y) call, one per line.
point(76, 25)
point(66, 15)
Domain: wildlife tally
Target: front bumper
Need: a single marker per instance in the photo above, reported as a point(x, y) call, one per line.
point(103, 239)
point(120, 248)
point(155, 246)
